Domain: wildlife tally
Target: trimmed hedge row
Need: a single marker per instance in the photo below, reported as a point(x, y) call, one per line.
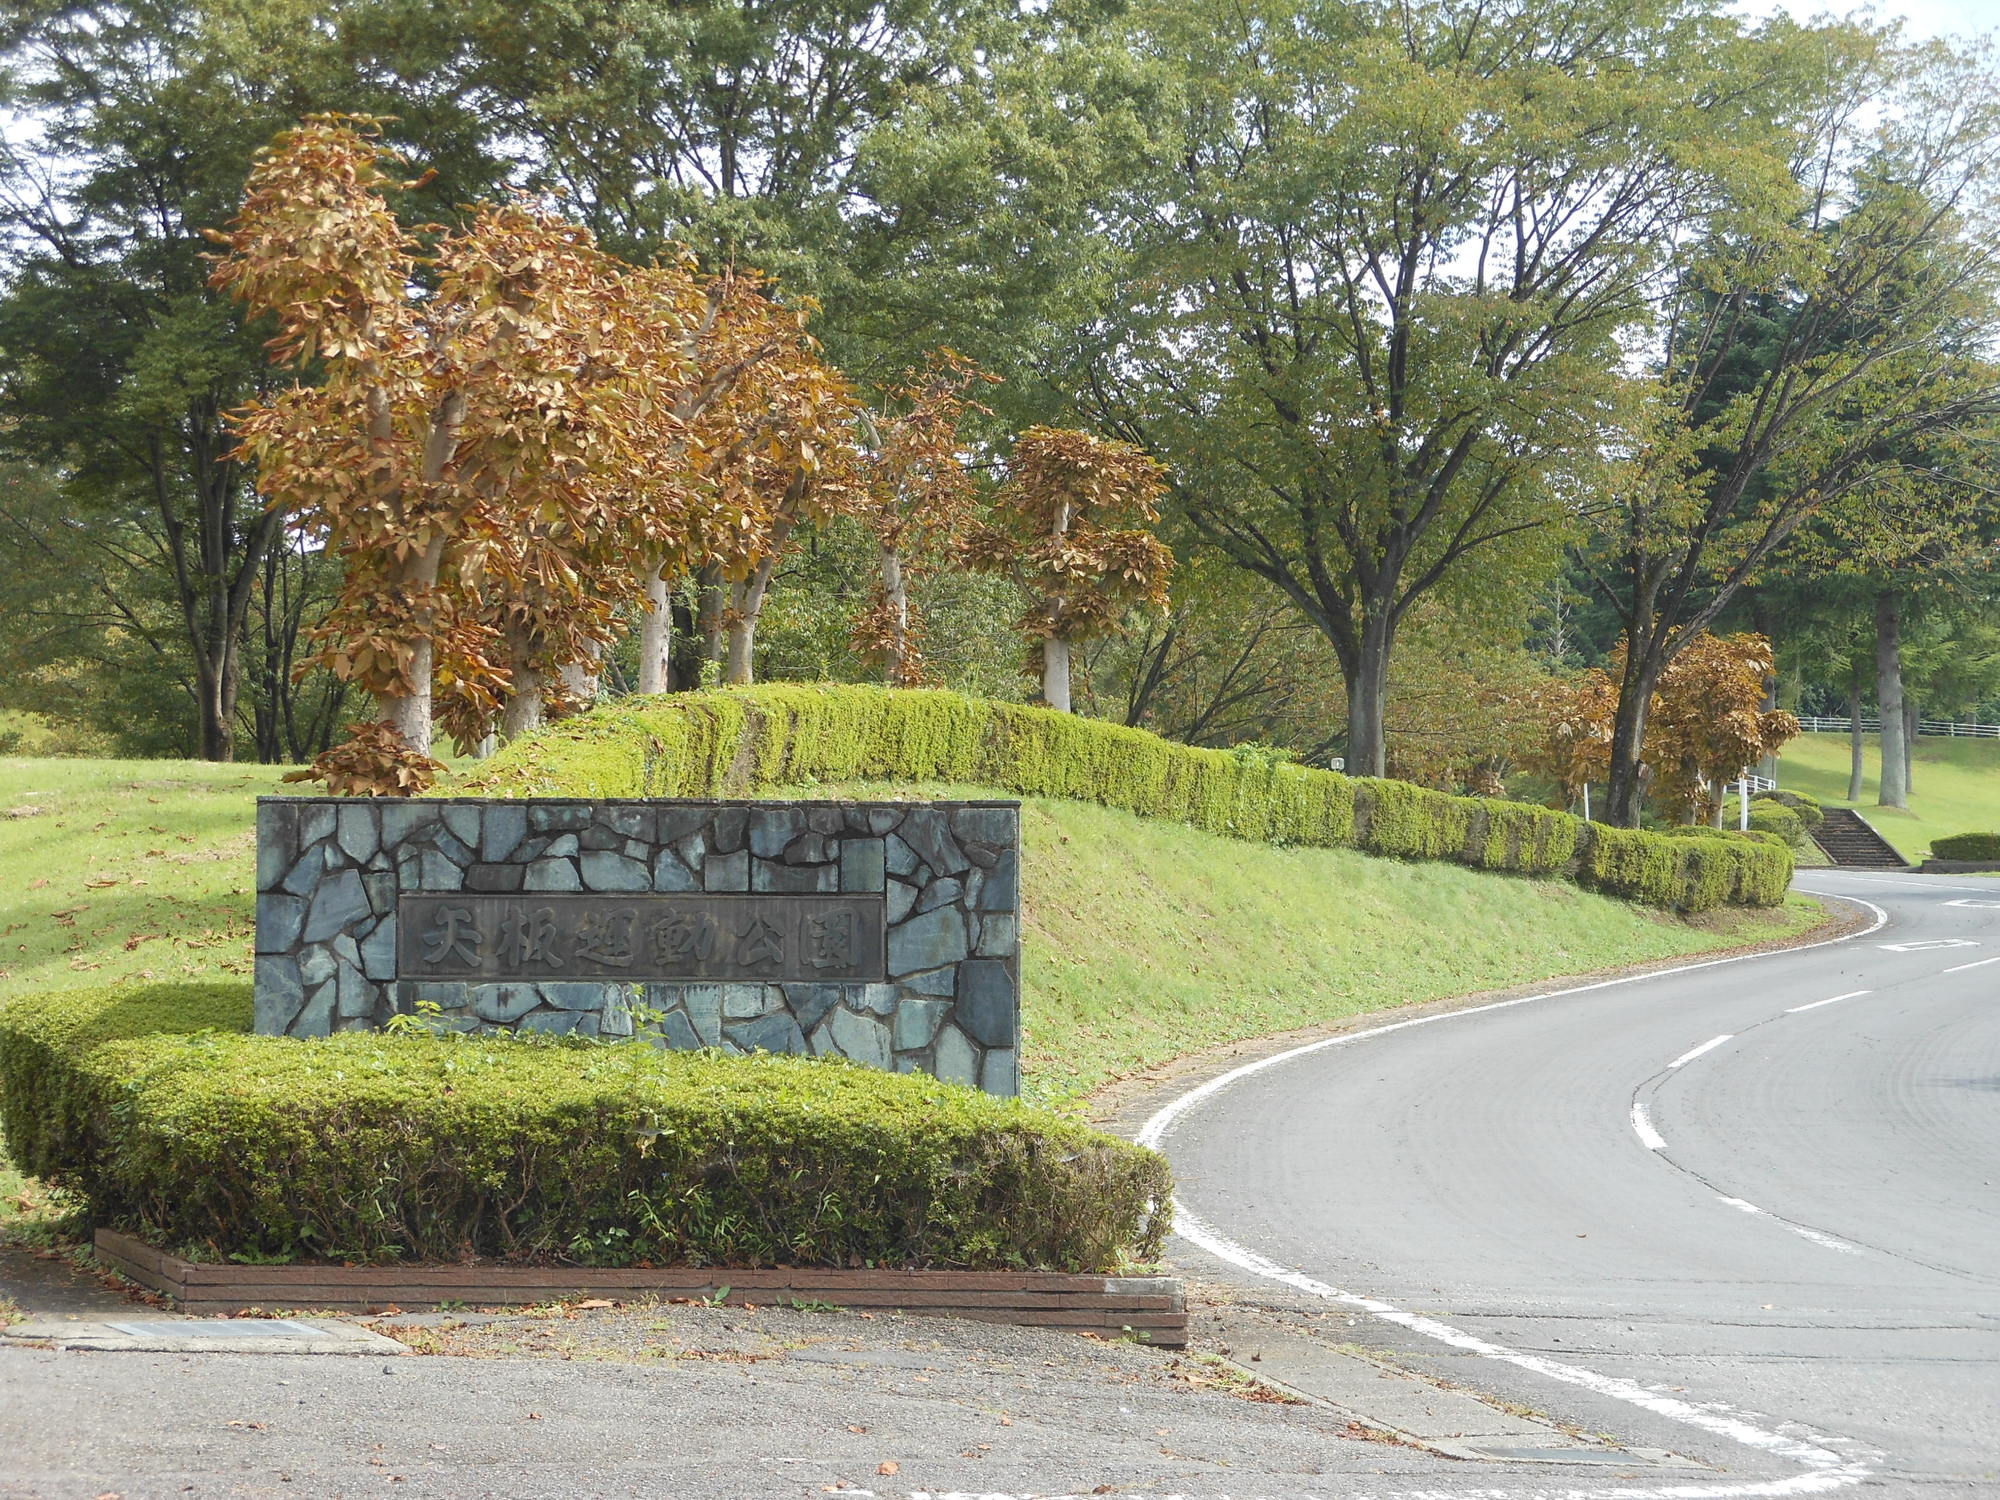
point(742, 741)
point(1775, 817)
point(1807, 807)
point(155, 1104)
point(1966, 846)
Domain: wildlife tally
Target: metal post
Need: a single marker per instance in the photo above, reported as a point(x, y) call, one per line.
point(1743, 805)
point(1586, 802)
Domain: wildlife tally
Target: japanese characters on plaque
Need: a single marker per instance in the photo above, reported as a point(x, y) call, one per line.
point(643, 938)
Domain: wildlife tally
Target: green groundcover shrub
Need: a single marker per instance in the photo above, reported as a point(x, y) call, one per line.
point(1966, 846)
point(742, 741)
point(155, 1105)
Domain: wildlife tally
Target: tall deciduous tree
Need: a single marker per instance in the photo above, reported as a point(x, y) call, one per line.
point(1068, 526)
point(1807, 355)
point(1381, 276)
point(1709, 722)
point(131, 126)
point(916, 498)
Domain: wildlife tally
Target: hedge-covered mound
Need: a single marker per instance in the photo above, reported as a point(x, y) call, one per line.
point(1980, 846)
point(1805, 806)
point(156, 1105)
point(742, 741)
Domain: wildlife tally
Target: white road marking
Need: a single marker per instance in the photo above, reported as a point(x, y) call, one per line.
point(1650, 1138)
point(1816, 1236)
point(1826, 1470)
point(1832, 999)
point(1907, 883)
point(1975, 964)
point(1687, 1057)
point(1927, 945)
point(1968, 901)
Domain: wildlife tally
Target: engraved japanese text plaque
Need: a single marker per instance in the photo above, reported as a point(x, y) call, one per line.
point(885, 932)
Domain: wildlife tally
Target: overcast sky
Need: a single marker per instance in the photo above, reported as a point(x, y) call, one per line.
point(1925, 17)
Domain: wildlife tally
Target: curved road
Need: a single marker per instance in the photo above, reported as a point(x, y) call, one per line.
point(1748, 1211)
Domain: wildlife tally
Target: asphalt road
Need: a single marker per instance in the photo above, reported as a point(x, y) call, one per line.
point(1746, 1211)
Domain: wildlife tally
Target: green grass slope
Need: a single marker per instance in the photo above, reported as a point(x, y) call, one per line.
point(116, 869)
point(1957, 786)
point(1144, 939)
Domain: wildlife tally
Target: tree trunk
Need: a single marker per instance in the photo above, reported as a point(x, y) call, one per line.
point(714, 605)
point(580, 682)
point(1889, 700)
point(522, 712)
point(738, 670)
point(1623, 794)
point(1854, 741)
point(1055, 673)
point(409, 714)
point(896, 591)
point(656, 635)
point(1367, 699)
point(1911, 718)
point(580, 678)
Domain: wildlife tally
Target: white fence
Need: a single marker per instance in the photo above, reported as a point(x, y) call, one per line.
point(1943, 728)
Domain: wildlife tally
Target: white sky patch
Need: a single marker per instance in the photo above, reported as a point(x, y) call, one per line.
point(1922, 18)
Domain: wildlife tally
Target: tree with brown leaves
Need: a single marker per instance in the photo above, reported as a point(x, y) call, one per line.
point(1068, 528)
point(1707, 723)
point(502, 458)
point(916, 498)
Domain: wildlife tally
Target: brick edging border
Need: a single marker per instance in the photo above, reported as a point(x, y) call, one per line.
point(1151, 1308)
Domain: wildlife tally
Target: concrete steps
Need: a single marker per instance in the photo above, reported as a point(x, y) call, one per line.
point(1852, 843)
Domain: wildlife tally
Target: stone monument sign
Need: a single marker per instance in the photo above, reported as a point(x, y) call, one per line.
point(887, 932)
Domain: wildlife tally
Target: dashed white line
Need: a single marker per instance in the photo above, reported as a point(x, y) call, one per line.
point(1833, 999)
point(1825, 1469)
point(1650, 1138)
point(1816, 1236)
point(1713, 1042)
point(1978, 963)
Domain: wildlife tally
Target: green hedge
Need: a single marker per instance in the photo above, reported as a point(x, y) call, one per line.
point(1966, 846)
point(743, 741)
point(155, 1105)
point(1811, 814)
point(1775, 817)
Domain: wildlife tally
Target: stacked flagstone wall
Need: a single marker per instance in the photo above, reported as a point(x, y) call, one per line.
point(883, 932)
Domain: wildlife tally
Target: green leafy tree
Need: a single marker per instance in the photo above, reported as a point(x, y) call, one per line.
point(1380, 275)
point(1811, 350)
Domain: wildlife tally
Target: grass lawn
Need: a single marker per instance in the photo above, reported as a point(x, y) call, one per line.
point(1143, 940)
point(1957, 786)
point(114, 869)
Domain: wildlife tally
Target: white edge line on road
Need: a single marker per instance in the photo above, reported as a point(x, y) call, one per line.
point(1850, 995)
point(1906, 882)
point(1826, 1470)
point(1650, 1138)
point(1689, 1056)
point(1975, 964)
point(1816, 1236)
